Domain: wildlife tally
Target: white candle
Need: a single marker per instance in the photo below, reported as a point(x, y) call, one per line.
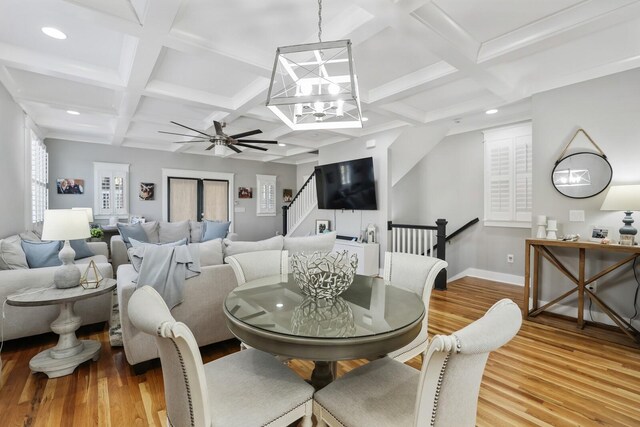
point(542, 219)
point(552, 224)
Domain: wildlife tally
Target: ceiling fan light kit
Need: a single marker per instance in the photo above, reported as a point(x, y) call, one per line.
point(314, 85)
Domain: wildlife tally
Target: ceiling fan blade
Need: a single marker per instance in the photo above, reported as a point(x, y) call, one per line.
point(188, 142)
point(234, 149)
point(249, 146)
point(258, 141)
point(179, 134)
point(243, 134)
point(195, 130)
point(218, 127)
point(210, 147)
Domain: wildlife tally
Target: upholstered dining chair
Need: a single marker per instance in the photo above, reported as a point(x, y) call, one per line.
point(443, 393)
point(255, 265)
point(247, 388)
point(418, 274)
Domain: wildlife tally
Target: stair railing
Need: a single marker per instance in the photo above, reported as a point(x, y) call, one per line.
point(299, 207)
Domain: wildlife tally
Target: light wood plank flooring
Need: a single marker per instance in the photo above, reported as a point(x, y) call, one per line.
point(545, 376)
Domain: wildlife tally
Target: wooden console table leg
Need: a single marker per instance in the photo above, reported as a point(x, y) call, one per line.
point(536, 267)
point(527, 255)
point(581, 289)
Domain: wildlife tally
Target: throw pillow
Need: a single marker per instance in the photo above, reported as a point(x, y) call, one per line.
point(210, 252)
point(196, 231)
point(135, 243)
point(151, 228)
point(215, 230)
point(30, 236)
point(134, 231)
point(233, 247)
point(42, 254)
point(81, 248)
point(12, 255)
point(173, 231)
point(322, 242)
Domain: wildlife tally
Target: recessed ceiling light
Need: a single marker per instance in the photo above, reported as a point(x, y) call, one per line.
point(365, 119)
point(54, 33)
point(73, 112)
point(282, 144)
point(492, 111)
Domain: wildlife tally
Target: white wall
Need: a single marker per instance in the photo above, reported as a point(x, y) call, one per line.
point(69, 159)
point(352, 223)
point(14, 192)
point(609, 110)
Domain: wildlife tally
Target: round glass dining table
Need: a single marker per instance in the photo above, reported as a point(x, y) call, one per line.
point(368, 320)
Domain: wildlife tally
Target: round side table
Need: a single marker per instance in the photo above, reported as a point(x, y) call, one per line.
point(70, 352)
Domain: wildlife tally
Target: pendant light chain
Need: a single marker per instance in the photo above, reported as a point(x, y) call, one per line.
point(320, 21)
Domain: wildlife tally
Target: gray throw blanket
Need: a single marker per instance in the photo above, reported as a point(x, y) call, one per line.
point(165, 268)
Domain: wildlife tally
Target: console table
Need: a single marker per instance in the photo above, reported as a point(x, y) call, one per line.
point(70, 352)
point(542, 248)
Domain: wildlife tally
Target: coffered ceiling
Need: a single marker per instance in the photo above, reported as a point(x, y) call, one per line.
point(129, 67)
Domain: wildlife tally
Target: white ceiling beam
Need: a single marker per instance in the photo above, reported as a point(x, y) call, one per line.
point(577, 21)
point(400, 111)
point(100, 18)
point(410, 84)
point(158, 21)
point(198, 98)
point(55, 66)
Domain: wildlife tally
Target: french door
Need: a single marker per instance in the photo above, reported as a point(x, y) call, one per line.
point(197, 199)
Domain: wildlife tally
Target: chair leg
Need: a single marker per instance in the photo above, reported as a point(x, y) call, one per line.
point(307, 421)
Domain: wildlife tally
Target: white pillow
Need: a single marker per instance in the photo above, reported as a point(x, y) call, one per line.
point(232, 247)
point(174, 231)
point(12, 256)
point(210, 252)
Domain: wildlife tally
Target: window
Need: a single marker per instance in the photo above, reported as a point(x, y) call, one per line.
point(39, 178)
point(111, 194)
point(508, 186)
point(266, 195)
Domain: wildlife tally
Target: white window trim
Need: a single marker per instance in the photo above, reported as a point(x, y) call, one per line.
point(506, 132)
point(186, 173)
point(262, 180)
point(98, 169)
point(41, 185)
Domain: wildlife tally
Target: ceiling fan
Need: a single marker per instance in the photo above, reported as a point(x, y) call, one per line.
point(219, 140)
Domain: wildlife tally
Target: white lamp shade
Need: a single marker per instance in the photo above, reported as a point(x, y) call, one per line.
point(65, 224)
point(89, 212)
point(622, 198)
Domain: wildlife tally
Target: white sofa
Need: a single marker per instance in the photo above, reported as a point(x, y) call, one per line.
point(204, 296)
point(22, 322)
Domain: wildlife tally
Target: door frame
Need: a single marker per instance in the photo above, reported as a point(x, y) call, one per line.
point(196, 174)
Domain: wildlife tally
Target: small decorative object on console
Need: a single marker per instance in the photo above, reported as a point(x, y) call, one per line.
point(324, 274)
point(91, 277)
point(552, 227)
point(542, 223)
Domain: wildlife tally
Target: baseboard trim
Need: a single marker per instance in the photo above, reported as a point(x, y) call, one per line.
point(511, 279)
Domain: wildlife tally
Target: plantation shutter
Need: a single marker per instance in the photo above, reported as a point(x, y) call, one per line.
point(508, 176)
point(266, 195)
point(111, 190)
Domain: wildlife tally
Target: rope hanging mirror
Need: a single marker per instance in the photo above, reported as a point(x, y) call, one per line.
point(582, 174)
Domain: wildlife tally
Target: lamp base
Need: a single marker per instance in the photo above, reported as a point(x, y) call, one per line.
point(67, 275)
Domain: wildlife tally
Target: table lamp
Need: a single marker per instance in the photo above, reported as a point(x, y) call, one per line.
point(66, 224)
point(89, 212)
point(624, 198)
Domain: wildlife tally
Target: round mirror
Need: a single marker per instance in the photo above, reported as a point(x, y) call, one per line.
point(581, 175)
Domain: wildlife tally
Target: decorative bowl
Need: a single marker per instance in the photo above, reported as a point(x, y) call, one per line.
point(324, 274)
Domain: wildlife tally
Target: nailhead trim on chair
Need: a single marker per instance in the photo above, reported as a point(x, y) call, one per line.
point(285, 413)
point(184, 374)
point(437, 397)
point(336, 418)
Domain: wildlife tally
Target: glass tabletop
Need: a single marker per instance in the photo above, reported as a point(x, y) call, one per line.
point(368, 307)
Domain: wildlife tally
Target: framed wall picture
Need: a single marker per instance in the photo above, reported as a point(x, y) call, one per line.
point(245, 193)
point(147, 191)
point(287, 195)
point(598, 233)
point(70, 186)
point(322, 226)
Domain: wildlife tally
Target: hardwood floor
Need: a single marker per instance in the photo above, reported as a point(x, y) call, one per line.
point(545, 376)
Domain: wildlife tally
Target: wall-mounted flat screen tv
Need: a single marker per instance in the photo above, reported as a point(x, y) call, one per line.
point(346, 185)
